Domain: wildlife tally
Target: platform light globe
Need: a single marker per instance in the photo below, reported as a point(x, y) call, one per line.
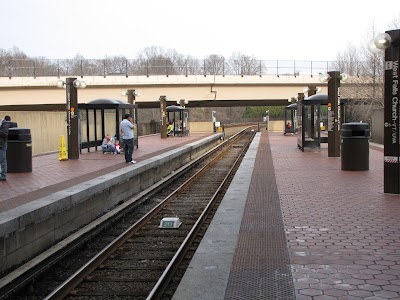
point(382, 41)
point(344, 77)
point(324, 77)
point(372, 47)
point(60, 83)
point(79, 84)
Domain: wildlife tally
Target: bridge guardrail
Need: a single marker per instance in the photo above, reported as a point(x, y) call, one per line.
point(41, 67)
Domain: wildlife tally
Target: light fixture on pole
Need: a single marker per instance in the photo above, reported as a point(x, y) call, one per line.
point(343, 77)
point(182, 102)
point(132, 94)
point(390, 43)
point(311, 90)
point(381, 42)
point(71, 85)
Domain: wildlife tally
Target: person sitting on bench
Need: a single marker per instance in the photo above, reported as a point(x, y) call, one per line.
point(108, 144)
point(170, 129)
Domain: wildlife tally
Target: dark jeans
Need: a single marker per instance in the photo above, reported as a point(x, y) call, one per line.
point(128, 150)
point(3, 161)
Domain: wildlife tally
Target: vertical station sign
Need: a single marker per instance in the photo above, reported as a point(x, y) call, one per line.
point(391, 116)
point(334, 114)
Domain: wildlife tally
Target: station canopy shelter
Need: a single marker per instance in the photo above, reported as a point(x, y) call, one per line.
point(103, 116)
point(179, 116)
point(290, 118)
point(312, 118)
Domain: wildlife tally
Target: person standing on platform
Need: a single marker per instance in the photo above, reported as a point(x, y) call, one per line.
point(3, 149)
point(10, 124)
point(126, 128)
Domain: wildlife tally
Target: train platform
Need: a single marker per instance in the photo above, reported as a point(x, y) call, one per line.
point(293, 225)
point(49, 175)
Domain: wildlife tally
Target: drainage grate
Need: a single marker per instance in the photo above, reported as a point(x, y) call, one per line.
point(261, 265)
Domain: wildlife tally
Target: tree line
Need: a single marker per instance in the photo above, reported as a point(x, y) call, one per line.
point(149, 61)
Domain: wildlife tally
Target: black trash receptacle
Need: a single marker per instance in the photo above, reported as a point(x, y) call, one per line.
point(19, 150)
point(355, 146)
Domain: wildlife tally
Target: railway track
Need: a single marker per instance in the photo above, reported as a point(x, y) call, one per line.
point(140, 261)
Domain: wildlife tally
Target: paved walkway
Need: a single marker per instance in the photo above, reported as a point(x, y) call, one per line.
point(343, 232)
point(309, 231)
point(50, 175)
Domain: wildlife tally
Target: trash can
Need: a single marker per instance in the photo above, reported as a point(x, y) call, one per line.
point(355, 146)
point(19, 150)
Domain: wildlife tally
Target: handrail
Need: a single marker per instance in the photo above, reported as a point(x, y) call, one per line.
point(42, 67)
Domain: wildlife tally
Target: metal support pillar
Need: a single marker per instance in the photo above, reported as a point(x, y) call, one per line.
point(72, 119)
point(334, 114)
point(131, 96)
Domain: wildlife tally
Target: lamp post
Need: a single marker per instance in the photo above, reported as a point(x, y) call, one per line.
point(71, 85)
point(390, 41)
point(311, 90)
point(183, 102)
point(333, 79)
point(163, 106)
point(132, 94)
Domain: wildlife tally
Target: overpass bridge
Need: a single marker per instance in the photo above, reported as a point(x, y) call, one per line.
point(26, 93)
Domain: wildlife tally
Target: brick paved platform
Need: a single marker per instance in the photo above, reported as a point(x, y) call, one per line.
point(341, 233)
point(50, 175)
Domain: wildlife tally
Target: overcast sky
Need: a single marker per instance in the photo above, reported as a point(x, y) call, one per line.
point(267, 29)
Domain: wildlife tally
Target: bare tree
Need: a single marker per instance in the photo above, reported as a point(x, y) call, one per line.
point(364, 90)
point(18, 63)
point(395, 24)
point(244, 65)
point(154, 61)
point(116, 65)
point(192, 66)
point(214, 64)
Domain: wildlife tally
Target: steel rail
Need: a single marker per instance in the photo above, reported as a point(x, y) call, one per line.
point(75, 279)
point(162, 283)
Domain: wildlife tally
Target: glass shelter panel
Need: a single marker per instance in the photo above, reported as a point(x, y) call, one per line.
point(290, 119)
point(83, 126)
point(309, 125)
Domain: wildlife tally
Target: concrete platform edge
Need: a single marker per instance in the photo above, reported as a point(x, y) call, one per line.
point(208, 273)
